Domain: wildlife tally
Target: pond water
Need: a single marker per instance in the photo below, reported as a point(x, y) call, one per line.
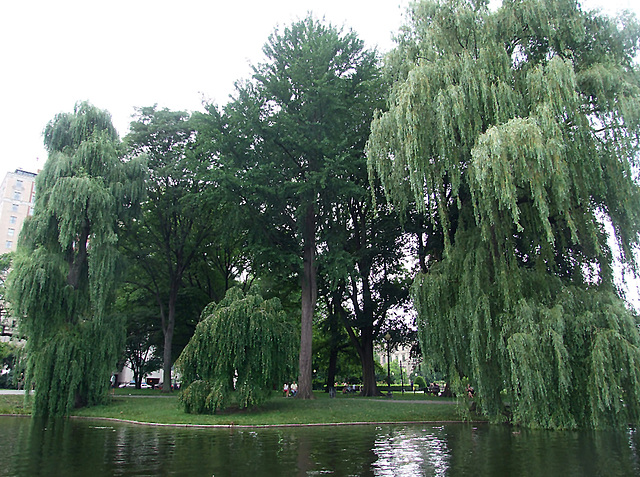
point(104, 448)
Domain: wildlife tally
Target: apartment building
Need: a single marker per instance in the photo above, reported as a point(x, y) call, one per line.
point(17, 194)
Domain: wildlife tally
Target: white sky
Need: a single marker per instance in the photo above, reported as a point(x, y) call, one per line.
point(122, 54)
point(127, 53)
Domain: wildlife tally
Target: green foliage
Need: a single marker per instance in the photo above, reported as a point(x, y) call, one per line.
point(567, 356)
point(420, 382)
point(5, 265)
point(8, 353)
point(144, 338)
point(173, 246)
point(199, 398)
point(516, 136)
point(242, 350)
point(289, 144)
point(65, 268)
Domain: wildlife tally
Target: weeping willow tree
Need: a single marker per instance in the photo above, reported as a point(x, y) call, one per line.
point(65, 267)
point(244, 348)
point(515, 133)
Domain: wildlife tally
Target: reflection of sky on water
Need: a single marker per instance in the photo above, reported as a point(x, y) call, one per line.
point(78, 448)
point(633, 443)
point(409, 452)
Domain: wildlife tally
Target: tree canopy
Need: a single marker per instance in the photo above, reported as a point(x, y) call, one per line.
point(515, 133)
point(288, 143)
point(178, 219)
point(65, 268)
point(243, 349)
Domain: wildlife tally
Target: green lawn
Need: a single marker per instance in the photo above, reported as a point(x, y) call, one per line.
point(14, 404)
point(154, 407)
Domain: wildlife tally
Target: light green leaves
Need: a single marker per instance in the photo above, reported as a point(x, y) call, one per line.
point(65, 269)
point(243, 348)
point(516, 133)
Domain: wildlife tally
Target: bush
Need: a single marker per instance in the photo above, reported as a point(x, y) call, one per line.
point(6, 380)
point(198, 398)
point(241, 351)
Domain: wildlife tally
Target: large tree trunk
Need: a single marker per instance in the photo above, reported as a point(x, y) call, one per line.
point(78, 262)
point(166, 367)
point(167, 328)
point(333, 362)
point(369, 385)
point(363, 345)
point(309, 295)
point(334, 304)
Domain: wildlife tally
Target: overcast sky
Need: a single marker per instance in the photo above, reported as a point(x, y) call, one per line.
point(127, 53)
point(123, 54)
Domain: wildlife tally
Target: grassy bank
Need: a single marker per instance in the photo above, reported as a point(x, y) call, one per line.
point(153, 407)
point(13, 404)
point(279, 410)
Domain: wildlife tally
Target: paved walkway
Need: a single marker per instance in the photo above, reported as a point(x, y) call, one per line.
point(418, 401)
point(12, 391)
point(379, 399)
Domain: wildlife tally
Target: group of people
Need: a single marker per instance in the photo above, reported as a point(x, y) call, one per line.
point(349, 388)
point(290, 389)
point(433, 388)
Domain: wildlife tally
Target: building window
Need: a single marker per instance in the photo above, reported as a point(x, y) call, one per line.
point(17, 195)
point(30, 211)
point(19, 184)
point(10, 232)
point(14, 207)
point(8, 244)
point(13, 219)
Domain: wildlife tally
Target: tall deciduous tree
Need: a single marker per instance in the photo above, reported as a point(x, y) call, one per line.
point(292, 134)
point(365, 266)
point(178, 221)
point(516, 132)
point(65, 269)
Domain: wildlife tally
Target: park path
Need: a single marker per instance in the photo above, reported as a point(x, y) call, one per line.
point(12, 391)
point(420, 401)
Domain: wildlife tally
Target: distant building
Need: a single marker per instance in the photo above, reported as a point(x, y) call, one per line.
point(401, 354)
point(17, 194)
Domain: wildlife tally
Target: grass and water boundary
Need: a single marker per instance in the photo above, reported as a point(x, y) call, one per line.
point(154, 407)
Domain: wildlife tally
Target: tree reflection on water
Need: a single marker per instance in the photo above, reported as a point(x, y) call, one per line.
point(96, 448)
